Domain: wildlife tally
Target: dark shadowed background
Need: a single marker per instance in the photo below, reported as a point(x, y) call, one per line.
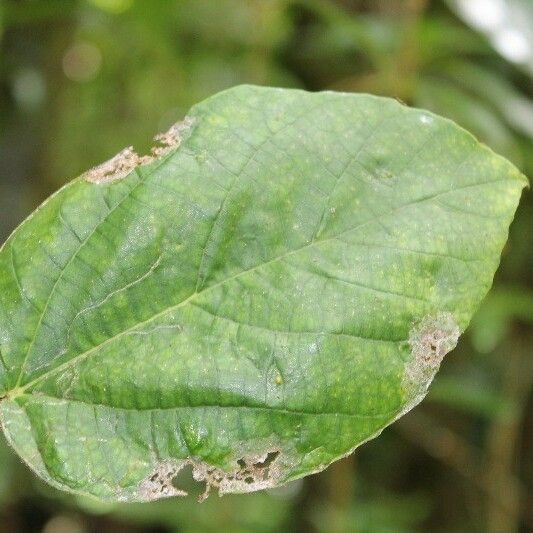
point(82, 79)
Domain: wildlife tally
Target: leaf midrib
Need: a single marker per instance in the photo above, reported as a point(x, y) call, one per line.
point(269, 408)
point(17, 391)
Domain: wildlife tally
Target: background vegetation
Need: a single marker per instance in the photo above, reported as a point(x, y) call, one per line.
point(81, 79)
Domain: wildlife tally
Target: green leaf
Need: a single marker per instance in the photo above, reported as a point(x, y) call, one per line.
point(276, 284)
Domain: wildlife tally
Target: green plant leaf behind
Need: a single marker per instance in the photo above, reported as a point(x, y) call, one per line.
point(276, 283)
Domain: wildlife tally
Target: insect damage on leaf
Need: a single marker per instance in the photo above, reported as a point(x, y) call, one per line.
point(115, 168)
point(159, 484)
point(171, 138)
point(126, 160)
point(252, 472)
point(430, 340)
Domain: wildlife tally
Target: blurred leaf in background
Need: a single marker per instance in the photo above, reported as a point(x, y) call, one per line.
point(82, 79)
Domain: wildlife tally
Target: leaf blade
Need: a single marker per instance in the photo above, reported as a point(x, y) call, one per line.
point(262, 278)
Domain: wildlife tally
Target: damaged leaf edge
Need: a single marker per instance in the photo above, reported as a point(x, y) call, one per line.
point(183, 127)
point(429, 340)
point(417, 390)
point(252, 472)
point(214, 476)
point(120, 165)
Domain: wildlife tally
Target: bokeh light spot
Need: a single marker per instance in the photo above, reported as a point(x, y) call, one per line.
point(82, 62)
point(28, 88)
point(513, 45)
point(113, 6)
point(63, 524)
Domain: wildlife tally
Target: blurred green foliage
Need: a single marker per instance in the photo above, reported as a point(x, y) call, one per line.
point(82, 79)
